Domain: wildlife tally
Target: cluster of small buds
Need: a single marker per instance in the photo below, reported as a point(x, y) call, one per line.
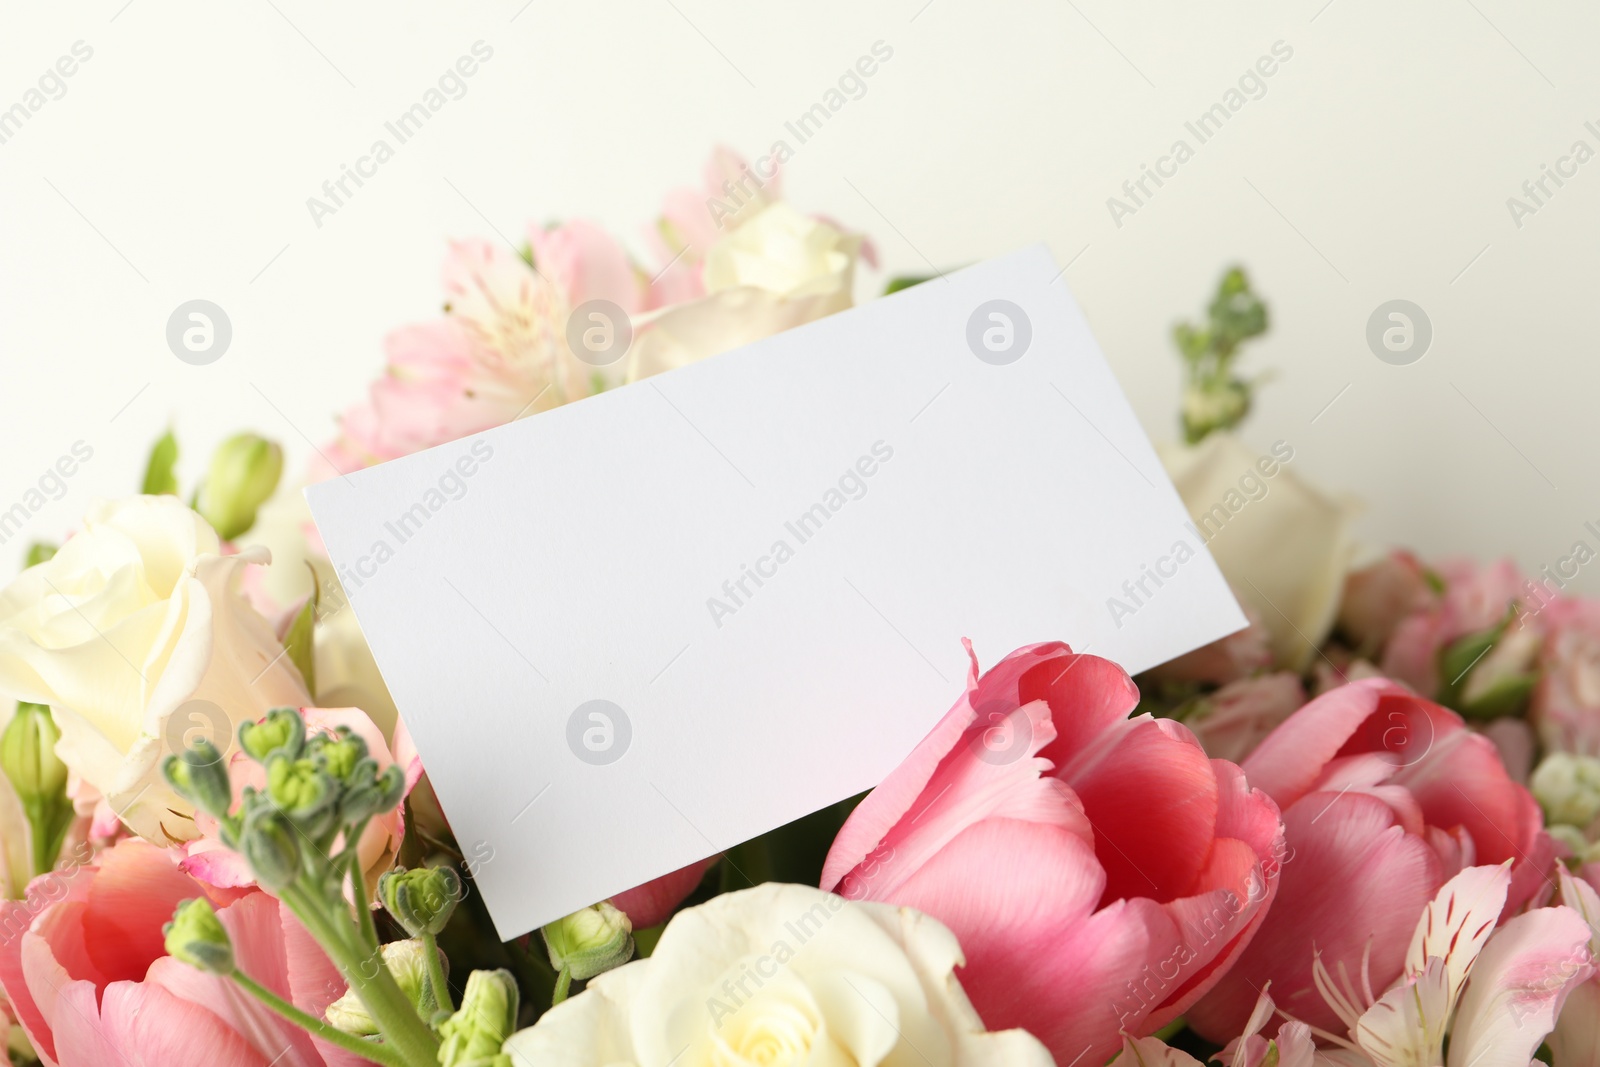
point(317, 789)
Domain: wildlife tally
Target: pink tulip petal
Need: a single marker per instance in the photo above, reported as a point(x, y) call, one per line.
point(1152, 800)
point(1040, 886)
point(81, 1038)
point(897, 794)
point(156, 1029)
point(1355, 878)
point(314, 981)
point(135, 891)
point(1287, 764)
point(254, 926)
point(652, 903)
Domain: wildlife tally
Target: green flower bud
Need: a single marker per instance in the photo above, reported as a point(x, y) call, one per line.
point(590, 941)
point(341, 754)
point(271, 846)
point(422, 899)
point(244, 472)
point(299, 788)
point(198, 774)
point(408, 964)
point(1214, 406)
point(373, 793)
point(1567, 787)
point(196, 936)
point(282, 732)
point(474, 1036)
point(28, 757)
point(28, 754)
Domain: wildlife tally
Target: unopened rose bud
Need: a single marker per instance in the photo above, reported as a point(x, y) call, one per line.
point(590, 941)
point(1567, 787)
point(408, 964)
point(421, 899)
point(244, 472)
point(475, 1035)
point(199, 775)
point(196, 937)
point(283, 731)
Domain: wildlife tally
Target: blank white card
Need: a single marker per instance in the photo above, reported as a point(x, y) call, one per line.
point(633, 631)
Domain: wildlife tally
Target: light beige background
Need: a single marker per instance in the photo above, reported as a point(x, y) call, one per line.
point(1377, 165)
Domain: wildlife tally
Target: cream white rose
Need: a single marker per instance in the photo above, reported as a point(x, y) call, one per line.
point(137, 636)
point(776, 270)
point(1283, 545)
point(780, 974)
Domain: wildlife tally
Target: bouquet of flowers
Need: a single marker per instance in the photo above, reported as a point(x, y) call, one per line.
point(1364, 830)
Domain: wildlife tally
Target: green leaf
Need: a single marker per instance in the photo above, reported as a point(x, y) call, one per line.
point(905, 281)
point(297, 640)
point(159, 476)
point(39, 552)
point(1458, 658)
point(1507, 696)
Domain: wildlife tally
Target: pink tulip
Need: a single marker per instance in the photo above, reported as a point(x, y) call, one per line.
point(83, 965)
point(1100, 872)
point(654, 902)
point(1385, 796)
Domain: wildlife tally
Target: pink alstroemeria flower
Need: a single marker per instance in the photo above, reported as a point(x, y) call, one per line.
point(1495, 991)
point(1100, 872)
point(1385, 796)
point(500, 353)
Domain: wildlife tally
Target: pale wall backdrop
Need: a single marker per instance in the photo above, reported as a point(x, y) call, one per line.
point(1376, 165)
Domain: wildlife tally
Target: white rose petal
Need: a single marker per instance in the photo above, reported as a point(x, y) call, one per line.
point(138, 615)
point(781, 974)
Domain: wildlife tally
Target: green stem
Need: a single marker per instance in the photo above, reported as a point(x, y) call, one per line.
point(436, 978)
point(47, 827)
point(340, 936)
point(563, 984)
point(349, 1042)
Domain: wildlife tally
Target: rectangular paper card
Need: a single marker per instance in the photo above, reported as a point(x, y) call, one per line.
point(633, 631)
